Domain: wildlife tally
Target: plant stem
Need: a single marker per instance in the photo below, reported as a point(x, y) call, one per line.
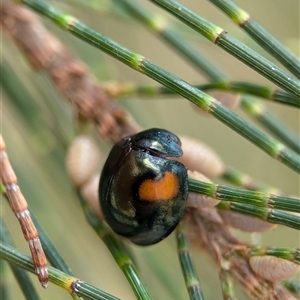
point(159, 25)
point(162, 27)
point(221, 38)
point(59, 278)
point(254, 198)
point(245, 181)
point(242, 87)
point(270, 215)
point(260, 35)
point(139, 63)
point(51, 252)
point(250, 105)
point(188, 270)
point(226, 281)
point(264, 92)
point(290, 254)
point(258, 111)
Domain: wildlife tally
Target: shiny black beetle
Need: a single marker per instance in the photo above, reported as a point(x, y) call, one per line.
point(142, 193)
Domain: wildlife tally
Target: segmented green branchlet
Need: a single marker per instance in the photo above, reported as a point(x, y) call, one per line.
point(260, 35)
point(188, 270)
point(260, 112)
point(158, 24)
point(264, 92)
point(118, 251)
point(138, 62)
point(221, 38)
point(250, 88)
point(255, 198)
point(226, 281)
point(51, 252)
point(264, 117)
point(57, 277)
point(243, 180)
point(21, 275)
point(270, 215)
point(290, 254)
point(252, 106)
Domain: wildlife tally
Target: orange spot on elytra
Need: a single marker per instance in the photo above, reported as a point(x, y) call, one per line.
point(165, 188)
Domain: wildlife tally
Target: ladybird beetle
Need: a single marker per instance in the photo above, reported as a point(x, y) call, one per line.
point(143, 193)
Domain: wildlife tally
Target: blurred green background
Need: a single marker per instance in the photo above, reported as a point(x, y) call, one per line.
point(33, 137)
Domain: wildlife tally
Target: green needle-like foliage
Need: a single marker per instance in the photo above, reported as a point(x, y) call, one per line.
point(139, 63)
point(240, 179)
point(234, 86)
point(160, 26)
point(51, 252)
point(39, 121)
point(260, 113)
point(226, 282)
point(252, 106)
point(270, 215)
point(189, 273)
point(292, 255)
point(218, 36)
point(56, 276)
point(260, 35)
point(280, 96)
point(256, 109)
point(255, 198)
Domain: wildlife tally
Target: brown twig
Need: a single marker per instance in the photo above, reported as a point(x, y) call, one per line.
point(19, 206)
point(70, 76)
